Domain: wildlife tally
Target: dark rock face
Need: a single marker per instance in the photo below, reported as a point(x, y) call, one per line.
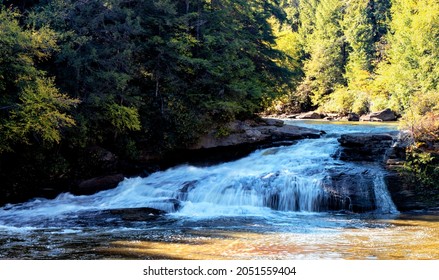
point(98, 184)
point(350, 189)
point(381, 116)
point(387, 150)
point(403, 194)
point(364, 147)
point(274, 122)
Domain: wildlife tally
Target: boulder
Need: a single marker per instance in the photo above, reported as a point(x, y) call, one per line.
point(98, 184)
point(291, 132)
point(364, 147)
point(274, 122)
point(380, 116)
point(292, 116)
point(309, 116)
point(352, 117)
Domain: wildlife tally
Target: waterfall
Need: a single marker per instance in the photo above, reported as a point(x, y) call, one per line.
point(290, 178)
point(384, 202)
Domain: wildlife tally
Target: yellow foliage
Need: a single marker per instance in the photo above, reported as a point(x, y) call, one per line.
point(340, 101)
point(422, 118)
point(123, 118)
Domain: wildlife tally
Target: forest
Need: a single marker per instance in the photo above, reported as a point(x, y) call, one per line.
point(129, 76)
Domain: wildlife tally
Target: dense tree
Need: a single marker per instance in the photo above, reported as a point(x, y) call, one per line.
point(167, 68)
point(412, 66)
point(327, 47)
point(364, 27)
point(31, 106)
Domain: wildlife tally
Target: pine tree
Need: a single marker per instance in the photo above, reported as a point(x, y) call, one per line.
point(325, 69)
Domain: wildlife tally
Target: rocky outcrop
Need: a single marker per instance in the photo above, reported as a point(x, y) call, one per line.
point(380, 116)
point(387, 150)
point(404, 193)
point(364, 147)
point(254, 133)
point(350, 189)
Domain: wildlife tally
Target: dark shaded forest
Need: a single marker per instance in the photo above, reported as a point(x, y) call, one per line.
point(80, 78)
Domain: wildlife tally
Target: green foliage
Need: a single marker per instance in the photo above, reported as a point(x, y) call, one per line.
point(341, 101)
point(123, 118)
point(422, 120)
point(222, 131)
point(411, 67)
point(325, 69)
point(40, 112)
point(424, 166)
point(166, 68)
point(31, 105)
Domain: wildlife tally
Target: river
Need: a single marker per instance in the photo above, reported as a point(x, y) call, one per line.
point(268, 205)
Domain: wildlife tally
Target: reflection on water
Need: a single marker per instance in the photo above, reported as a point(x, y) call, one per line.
point(408, 238)
point(320, 236)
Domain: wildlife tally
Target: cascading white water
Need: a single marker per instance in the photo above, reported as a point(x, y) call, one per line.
point(384, 202)
point(284, 178)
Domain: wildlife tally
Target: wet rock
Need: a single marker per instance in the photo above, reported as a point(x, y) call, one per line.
point(404, 194)
point(380, 116)
point(186, 188)
point(364, 147)
point(290, 132)
point(350, 189)
point(98, 184)
point(396, 154)
point(135, 214)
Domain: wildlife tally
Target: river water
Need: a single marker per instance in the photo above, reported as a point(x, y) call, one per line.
point(268, 205)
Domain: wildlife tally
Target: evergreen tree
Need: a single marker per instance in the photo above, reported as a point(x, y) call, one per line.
point(31, 107)
point(325, 69)
point(165, 68)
